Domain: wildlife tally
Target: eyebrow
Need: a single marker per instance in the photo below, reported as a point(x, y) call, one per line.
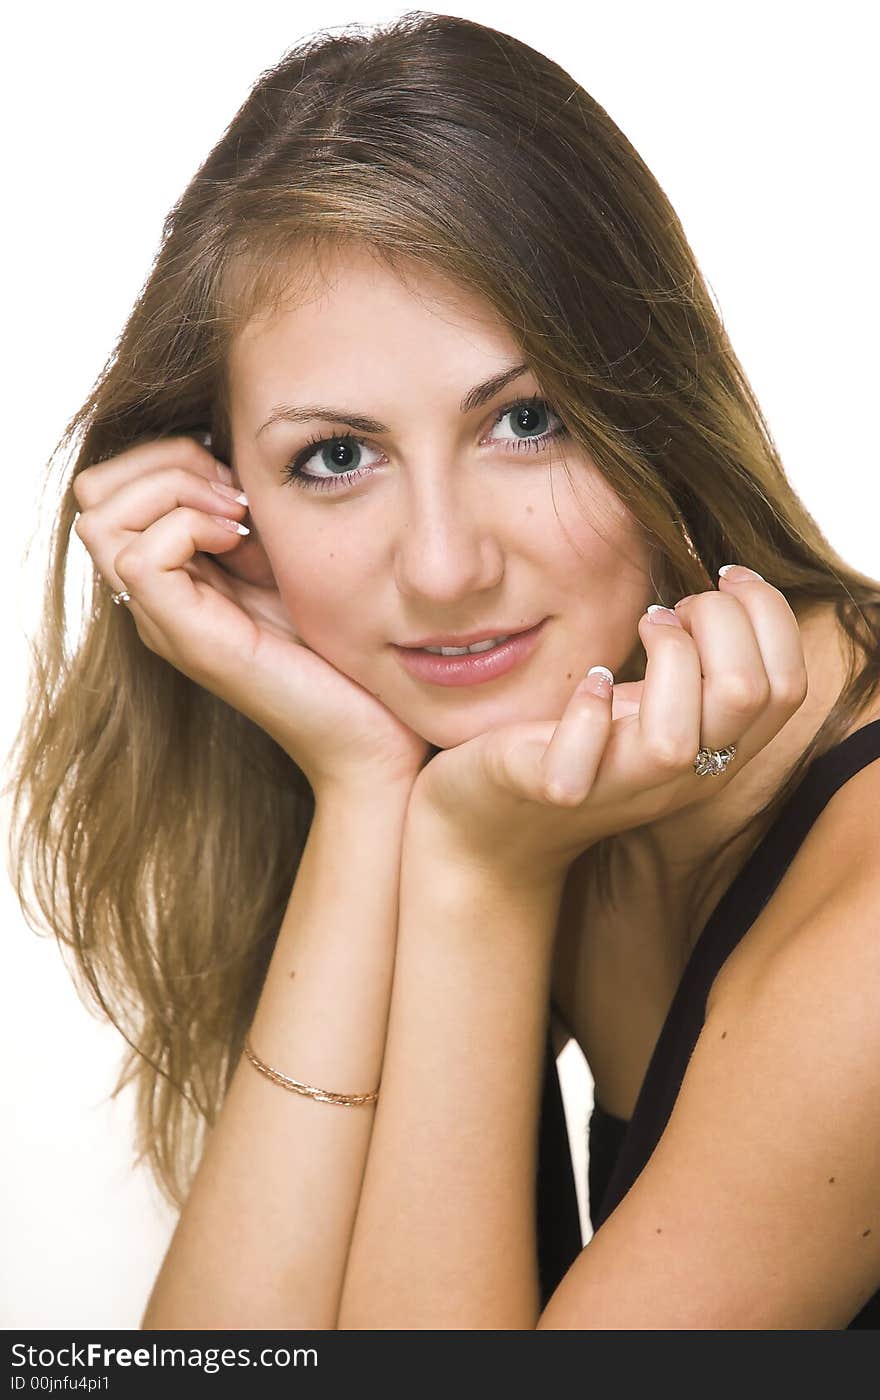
point(475, 398)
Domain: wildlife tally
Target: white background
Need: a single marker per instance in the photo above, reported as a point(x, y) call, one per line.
point(759, 121)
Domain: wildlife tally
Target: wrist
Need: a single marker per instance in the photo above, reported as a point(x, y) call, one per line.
point(345, 797)
point(432, 843)
point(472, 908)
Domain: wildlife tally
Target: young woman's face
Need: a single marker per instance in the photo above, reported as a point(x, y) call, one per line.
point(436, 521)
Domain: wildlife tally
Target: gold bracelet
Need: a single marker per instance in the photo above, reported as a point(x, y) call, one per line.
point(325, 1095)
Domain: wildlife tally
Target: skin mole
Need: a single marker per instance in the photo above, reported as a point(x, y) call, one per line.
point(865, 1232)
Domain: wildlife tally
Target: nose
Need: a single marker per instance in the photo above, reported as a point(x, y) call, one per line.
point(447, 548)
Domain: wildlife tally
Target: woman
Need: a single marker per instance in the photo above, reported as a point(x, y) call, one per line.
point(449, 353)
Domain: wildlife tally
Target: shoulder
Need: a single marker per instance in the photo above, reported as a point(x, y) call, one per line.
point(853, 812)
point(760, 1205)
point(839, 857)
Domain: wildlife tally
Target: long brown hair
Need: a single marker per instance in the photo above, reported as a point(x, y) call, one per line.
point(162, 829)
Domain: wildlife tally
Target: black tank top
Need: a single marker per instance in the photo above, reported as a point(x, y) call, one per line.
point(619, 1149)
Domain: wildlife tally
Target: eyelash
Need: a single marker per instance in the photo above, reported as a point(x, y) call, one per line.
point(293, 472)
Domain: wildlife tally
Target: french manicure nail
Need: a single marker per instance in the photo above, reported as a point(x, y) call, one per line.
point(657, 613)
point(232, 525)
point(738, 573)
point(598, 680)
point(229, 492)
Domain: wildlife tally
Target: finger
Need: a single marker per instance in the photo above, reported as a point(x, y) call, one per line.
point(163, 594)
point(138, 503)
point(206, 570)
point(779, 641)
point(261, 603)
point(572, 757)
point(735, 686)
point(205, 636)
point(94, 484)
point(668, 733)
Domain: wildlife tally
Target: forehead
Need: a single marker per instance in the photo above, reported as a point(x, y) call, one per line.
point(336, 300)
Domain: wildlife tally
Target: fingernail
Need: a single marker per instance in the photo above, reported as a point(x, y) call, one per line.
point(598, 681)
point(224, 472)
point(229, 492)
point(738, 573)
point(657, 613)
point(232, 525)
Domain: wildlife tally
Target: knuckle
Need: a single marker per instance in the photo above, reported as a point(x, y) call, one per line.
point(504, 770)
point(177, 513)
point(743, 694)
point(80, 487)
point(182, 476)
point(188, 450)
point(178, 480)
point(194, 517)
point(129, 564)
point(794, 687)
point(560, 793)
point(669, 752)
point(169, 454)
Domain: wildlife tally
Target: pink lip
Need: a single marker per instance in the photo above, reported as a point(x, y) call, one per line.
point(467, 639)
point(471, 670)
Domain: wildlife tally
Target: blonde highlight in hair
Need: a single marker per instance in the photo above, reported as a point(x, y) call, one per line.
point(161, 829)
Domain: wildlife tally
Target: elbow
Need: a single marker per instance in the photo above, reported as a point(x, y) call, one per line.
point(159, 1318)
point(148, 1321)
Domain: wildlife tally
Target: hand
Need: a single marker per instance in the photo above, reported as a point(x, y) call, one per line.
point(524, 800)
point(149, 519)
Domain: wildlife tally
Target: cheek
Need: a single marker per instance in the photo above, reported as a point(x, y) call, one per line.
point(324, 594)
point(600, 555)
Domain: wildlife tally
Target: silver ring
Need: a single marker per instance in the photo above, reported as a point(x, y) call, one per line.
point(121, 597)
point(708, 762)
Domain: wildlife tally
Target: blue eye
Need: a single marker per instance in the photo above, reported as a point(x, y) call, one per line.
point(344, 446)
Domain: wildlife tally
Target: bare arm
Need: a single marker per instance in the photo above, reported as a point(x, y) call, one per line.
point(446, 1227)
point(704, 1238)
point(263, 1238)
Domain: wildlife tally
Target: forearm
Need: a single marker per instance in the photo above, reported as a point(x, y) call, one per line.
point(263, 1236)
point(445, 1233)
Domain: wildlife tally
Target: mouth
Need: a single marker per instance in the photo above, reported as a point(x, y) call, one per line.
point(494, 657)
point(482, 640)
